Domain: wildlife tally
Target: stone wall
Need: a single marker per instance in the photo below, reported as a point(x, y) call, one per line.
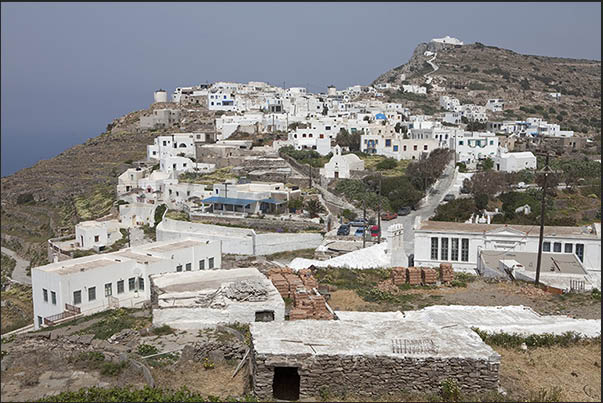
point(374, 376)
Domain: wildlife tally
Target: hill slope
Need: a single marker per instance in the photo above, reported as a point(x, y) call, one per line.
point(78, 184)
point(474, 73)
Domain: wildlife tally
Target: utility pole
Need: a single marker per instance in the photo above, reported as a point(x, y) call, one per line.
point(364, 224)
point(310, 187)
point(379, 213)
point(546, 171)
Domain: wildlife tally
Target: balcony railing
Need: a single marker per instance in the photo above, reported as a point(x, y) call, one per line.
point(52, 320)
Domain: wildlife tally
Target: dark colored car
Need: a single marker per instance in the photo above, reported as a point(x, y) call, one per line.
point(343, 230)
point(404, 211)
point(389, 216)
point(449, 197)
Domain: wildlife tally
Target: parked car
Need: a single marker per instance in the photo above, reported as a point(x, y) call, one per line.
point(359, 232)
point(389, 216)
point(449, 197)
point(343, 229)
point(375, 231)
point(359, 222)
point(404, 211)
point(521, 185)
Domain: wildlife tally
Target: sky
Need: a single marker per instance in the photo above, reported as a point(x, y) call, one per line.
point(69, 69)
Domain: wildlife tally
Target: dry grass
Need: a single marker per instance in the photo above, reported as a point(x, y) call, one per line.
point(348, 300)
point(215, 382)
point(576, 370)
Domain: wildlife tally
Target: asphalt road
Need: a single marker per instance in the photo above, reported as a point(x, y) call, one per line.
point(19, 273)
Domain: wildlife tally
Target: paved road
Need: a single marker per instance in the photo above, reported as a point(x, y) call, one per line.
point(427, 209)
point(19, 273)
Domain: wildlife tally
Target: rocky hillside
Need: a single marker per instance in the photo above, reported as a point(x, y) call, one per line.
point(47, 199)
point(474, 73)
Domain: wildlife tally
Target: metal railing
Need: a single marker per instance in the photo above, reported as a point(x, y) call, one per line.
point(52, 320)
point(73, 308)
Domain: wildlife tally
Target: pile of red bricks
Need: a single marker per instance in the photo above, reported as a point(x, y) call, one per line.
point(399, 275)
point(428, 275)
point(422, 275)
point(446, 273)
point(298, 286)
point(413, 275)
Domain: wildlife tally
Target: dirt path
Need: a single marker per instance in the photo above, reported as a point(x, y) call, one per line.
point(20, 272)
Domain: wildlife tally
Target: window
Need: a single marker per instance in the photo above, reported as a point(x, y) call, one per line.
point(557, 247)
point(395, 148)
point(45, 294)
point(465, 249)
point(131, 284)
point(189, 266)
point(434, 248)
point(388, 143)
point(96, 238)
point(546, 246)
point(40, 321)
point(460, 142)
point(322, 136)
point(77, 297)
point(53, 297)
point(414, 147)
point(211, 262)
point(569, 248)
point(108, 289)
point(444, 250)
point(120, 287)
point(140, 283)
point(491, 142)
point(454, 250)
point(580, 251)
point(202, 264)
point(91, 294)
point(404, 148)
point(179, 267)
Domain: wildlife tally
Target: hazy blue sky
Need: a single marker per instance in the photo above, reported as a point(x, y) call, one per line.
point(68, 69)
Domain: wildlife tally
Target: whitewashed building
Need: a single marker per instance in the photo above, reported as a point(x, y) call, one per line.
point(97, 234)
point(341, 166)
point(472, 147)
point(459, 243)
point(513, 162)
point(495, 105)
point(90, 284)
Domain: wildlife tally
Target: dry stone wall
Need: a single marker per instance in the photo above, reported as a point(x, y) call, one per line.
point(374, 376)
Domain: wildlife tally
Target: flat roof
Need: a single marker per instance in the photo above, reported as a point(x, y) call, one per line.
point(70, 266)
point(531, 230)
point(393, 338)
point(203, 279)
point(566, 263)
point(168, 247)
point(138, 257)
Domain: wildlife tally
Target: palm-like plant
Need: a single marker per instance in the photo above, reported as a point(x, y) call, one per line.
point(314, 207)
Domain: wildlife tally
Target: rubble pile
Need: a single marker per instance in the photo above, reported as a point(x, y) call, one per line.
point(246, 290)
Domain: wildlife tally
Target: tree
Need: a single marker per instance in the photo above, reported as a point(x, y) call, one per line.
point(486, 182)
point(350, 140)
point(475, 126)
point(481, 201)
point(388, 163)
point(314, 207)
point(487, 164)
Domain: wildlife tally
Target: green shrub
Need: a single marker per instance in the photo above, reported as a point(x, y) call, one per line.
point(451, 392)
point(116, 321)
point(349, 215)
point(112, 369)
point(534, 340)
point(387, 163)
point(145, 350)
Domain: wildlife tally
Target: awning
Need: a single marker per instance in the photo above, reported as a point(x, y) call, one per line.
point(228, 200)
point(273, 201)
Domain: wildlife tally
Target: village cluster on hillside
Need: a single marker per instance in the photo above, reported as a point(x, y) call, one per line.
point(275, 175)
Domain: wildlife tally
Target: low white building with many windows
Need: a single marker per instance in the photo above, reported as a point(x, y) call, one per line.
point(460, 243)
point(90, 284)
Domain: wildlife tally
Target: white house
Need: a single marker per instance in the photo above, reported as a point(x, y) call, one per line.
point(340, 166)
point(414, 89)
point(184, 164)
point(474, 146)
point(448, 40)
point(137, 214)
point(495, 105)
point(97, 234)
point(174, 145)
point(90, 284)
point(513, 162)
point(128, 180)
point(459, 243)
